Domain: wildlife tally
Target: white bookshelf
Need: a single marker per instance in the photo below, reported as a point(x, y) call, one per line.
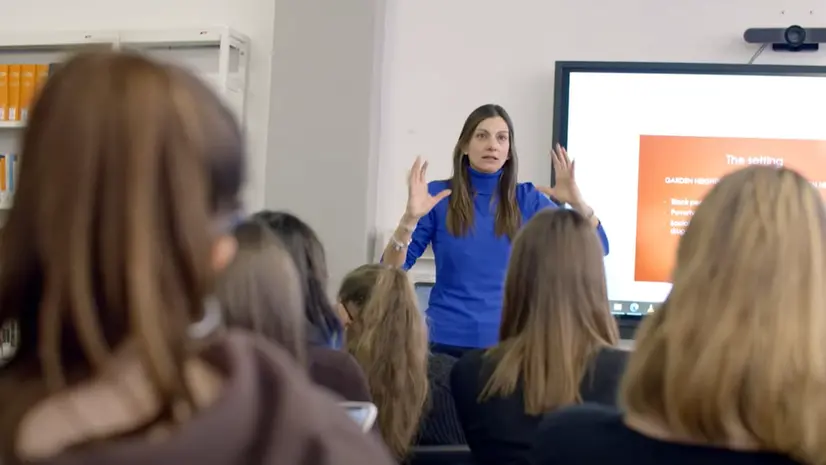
point(51, 41)
point(219, 54)
point(12, 125)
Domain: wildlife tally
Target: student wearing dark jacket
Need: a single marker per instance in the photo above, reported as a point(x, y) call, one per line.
point(329, 363)
point(729, 370)
point(440, 423)
point(557, 340)
point(110, 254)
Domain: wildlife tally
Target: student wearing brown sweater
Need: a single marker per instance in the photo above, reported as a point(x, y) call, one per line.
point(329, 363)
point(261, 291)
point(109, 258)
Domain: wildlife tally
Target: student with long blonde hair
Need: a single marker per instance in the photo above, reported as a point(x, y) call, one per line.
point(387, 335)
point(130, 183)
point(731, 368)
point(557, 340)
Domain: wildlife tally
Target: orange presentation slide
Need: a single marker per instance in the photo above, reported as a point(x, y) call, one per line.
point(677, 171)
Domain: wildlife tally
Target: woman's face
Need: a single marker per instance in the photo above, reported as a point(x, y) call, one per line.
point(489, 145)
point(343, 315)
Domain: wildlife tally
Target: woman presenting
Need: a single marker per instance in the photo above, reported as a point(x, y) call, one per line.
point(470, 220)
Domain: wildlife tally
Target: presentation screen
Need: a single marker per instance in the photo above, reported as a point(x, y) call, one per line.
point(650, 140)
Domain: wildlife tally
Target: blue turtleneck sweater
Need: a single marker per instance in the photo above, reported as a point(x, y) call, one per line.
point(466, 302)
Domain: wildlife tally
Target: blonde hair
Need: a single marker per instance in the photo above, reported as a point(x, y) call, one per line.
point(388, 337)
point(555, 314)
point(737, 353)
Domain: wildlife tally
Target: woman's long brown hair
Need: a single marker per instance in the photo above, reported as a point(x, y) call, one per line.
point(460, 207)
point(388, 337)
point(555, 314)
point(260, 290)
point(127, 168)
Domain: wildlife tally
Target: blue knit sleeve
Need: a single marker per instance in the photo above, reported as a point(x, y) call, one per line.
point(420, 239)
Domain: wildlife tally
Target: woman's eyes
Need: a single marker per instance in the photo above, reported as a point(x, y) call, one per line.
point(501, 137)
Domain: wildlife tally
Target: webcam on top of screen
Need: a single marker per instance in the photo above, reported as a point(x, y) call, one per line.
point(789, 39)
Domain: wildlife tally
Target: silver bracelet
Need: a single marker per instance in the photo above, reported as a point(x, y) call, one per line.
point(398, 245)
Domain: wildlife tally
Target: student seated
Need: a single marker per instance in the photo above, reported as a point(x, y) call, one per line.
point(387, 335)
point(730, 369)
point(131, 181)
point(440, 423)
point(329, 364)
point(557, 340)
point(260, 290)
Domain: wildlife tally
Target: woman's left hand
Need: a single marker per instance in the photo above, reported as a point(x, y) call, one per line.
point(565, 191)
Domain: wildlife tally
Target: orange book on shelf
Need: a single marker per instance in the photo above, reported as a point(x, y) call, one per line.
point(3, 184)
point(4, 91)
point(41, 75)
point(13, 110)
point(27, 83)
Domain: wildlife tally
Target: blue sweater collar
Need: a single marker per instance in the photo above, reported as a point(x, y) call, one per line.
point(483, 183)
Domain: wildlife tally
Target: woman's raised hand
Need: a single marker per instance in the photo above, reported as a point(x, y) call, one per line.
point(419, 200)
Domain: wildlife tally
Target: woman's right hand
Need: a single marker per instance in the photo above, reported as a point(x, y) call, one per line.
point(419, 200)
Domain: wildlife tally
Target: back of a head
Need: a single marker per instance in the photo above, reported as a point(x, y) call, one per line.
point(260, 290)
point(736, 353)
point(388, 337)
point(307, 252)
point(130, 170)
point(555, 313)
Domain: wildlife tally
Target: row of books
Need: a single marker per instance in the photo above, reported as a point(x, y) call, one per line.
point(19, 84)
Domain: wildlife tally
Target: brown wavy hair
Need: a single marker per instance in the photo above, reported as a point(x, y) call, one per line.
point(555, 313)
point(735, 355)
point(388, 337)
point(130, 171)
point(260, 290)
point(460, 207)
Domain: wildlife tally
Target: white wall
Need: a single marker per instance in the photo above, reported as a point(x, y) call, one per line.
point(324, 127)
point(339, 106)
point(444, 58)
point(251, 17)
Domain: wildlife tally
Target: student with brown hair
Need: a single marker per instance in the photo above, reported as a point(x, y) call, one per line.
point(260, 290)
point(330, 365)
point(730, 369)
point(130, 180)
point(388, 337)
point(557, 340)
